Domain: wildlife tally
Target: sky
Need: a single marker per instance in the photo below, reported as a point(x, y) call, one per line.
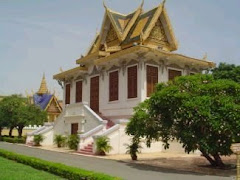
point(41, 36)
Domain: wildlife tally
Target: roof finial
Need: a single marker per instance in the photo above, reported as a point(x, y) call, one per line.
point(163, 3)
point(142, 3)
point(104, 4)
point(205, 56)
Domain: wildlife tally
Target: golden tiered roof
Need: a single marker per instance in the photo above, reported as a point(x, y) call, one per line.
point(121, 35)
point(151, 28)
point(43, 87)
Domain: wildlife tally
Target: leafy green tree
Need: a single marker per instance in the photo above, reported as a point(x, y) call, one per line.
point(29, 114)
point(16, 112)
point(227, 71)
point(3, 122)
point(198, 111)
point(9, 106)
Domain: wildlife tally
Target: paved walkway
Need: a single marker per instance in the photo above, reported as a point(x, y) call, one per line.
point(127, 171)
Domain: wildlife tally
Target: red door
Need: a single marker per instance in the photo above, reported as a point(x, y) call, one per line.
point(74, 128)
point(94, 94)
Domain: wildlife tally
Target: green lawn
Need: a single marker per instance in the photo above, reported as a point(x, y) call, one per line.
point(10, 170)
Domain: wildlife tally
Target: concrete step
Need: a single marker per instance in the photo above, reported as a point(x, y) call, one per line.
point(85, 152)
point(88, 149)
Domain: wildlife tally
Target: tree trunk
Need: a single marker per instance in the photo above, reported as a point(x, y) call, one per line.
point(1, 131)
point(218, 160)
point(212, 162)
point(10, 131)
point(20, 130)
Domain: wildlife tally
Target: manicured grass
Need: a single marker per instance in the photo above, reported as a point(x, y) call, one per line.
point(11, 170)
point(68, 172)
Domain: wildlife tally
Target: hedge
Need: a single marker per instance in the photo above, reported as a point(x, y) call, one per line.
point(13, 140)
point(68, 172)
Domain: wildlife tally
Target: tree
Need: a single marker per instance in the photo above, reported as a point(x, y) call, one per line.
point(227, 71)
point(198, 111)
point(29, 114)
point(16, 112)
point(9, 106)
point(2, 120)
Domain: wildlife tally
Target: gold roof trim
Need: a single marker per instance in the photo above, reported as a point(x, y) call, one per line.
point(43, 87)
point(62, 75)
point(174, 44)
point(153, 22)
point(119, 34)
point(160, 52)
point(93, 45)
point(132, 21)
point(122, 35)
point(88, 57)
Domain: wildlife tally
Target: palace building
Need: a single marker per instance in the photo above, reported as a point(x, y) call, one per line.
point(130, 55)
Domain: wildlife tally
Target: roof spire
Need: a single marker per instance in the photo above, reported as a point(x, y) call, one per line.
point(163, 3)
point(104, 4)
point(43, 87)
point(142, 3)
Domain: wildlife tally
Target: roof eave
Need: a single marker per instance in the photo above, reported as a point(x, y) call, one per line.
point(62, 75)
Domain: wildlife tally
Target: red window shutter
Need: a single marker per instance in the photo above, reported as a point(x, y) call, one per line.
point(113, 86)
point(132, 82)
point(67, 94)
point(173, 73)
point(152, 79)
point(78, 91)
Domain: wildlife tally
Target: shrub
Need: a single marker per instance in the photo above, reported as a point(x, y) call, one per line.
point(37, 139)
point(58, 169)
point(73, 141)
point(59, 140)
point(13, 140)
point(133, 148)
point(103, 145)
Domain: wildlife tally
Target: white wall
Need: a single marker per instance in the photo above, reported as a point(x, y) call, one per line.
point(123, 107)
point(119, 140)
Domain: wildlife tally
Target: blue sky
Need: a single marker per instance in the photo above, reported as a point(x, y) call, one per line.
point(42, 36)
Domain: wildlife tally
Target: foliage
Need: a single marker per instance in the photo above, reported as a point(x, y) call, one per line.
point(73, 141)
point(16, 112)
point(227, 71)
point(37, 139)
point(59, 140)
point(68, 172)
point(198, 111)
point(14, 171)
point(9, 110)
point(29, 114)
point(133, 148)
point(103, 145)
point(14, 140)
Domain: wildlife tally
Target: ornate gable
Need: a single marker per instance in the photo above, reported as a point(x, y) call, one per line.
point(158, 34)
point(111, 35)
point(53, 106)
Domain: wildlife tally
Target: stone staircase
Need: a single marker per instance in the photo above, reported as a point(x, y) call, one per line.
point(109, 122)
point(88, 150)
